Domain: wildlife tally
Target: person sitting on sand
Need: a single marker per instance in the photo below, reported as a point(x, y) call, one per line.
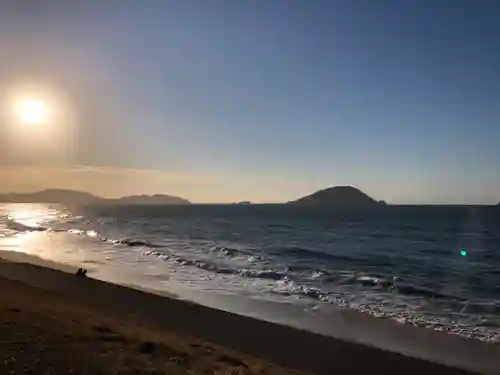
point(81, 272)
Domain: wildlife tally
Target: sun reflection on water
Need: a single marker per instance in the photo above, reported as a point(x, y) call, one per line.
point(25, 228)
point(32, 215)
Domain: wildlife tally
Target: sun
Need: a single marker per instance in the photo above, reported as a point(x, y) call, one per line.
point(32, 112)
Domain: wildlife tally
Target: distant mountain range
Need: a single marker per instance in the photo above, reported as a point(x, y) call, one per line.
point(335, 197)
point(78, 197)
point(339, 196)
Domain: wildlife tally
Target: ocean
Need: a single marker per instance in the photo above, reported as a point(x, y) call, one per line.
point(433, 267)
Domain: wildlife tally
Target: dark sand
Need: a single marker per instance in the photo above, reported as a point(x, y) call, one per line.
point(54, 322)
point(47, 333)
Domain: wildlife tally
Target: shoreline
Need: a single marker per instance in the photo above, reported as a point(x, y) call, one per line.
point(46, 333)
point(284, 345)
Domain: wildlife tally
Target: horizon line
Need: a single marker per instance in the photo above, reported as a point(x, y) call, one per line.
point(245, 202)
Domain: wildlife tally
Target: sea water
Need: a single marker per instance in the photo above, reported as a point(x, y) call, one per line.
point(435, 267)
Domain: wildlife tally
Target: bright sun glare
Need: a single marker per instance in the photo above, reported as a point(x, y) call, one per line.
point(32, 112)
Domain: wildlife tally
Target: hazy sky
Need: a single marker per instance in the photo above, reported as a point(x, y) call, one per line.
point(219, 101)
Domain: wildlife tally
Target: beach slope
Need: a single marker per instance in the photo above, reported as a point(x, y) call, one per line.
point(56, 322)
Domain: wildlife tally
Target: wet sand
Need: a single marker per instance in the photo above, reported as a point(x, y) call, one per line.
point(54, 322)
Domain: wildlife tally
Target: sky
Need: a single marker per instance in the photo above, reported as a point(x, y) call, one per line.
point(229, 100)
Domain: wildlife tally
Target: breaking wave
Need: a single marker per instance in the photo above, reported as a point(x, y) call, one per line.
point(18, 226)
point(307, 268)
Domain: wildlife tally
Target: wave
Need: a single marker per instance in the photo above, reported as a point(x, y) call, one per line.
point(292, 289)
point(300, 252)
point(291, 273)
point(294, 275)
point(367, 280)
point(351, 301)
point(413, 290)
point(135, 243)
point(270, 274)
point(20, 227)
point(393, 284)
point(16, 226)
point(228, 251)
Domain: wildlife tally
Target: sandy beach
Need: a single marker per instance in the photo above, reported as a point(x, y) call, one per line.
point(55, 322)
point(45, 333)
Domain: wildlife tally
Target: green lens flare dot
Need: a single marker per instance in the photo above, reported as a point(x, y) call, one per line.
point(463, 252)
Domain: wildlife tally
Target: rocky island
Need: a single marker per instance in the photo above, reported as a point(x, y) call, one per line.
point(339, 196)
